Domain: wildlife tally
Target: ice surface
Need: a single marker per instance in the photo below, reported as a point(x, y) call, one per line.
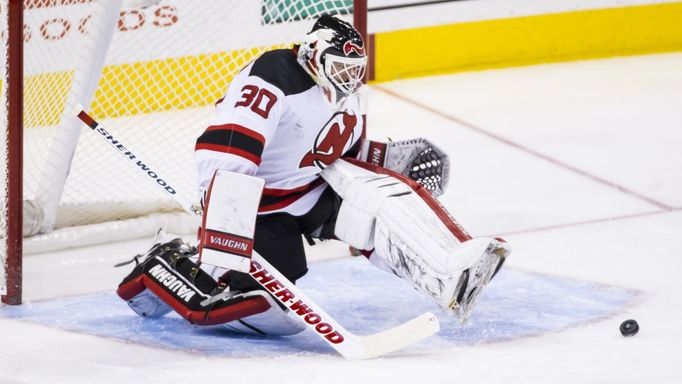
point(517, 304)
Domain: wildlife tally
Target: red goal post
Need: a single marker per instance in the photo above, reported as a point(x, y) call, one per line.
point(151, 70)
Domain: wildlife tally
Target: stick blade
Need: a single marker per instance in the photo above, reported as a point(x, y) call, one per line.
point(400, 336)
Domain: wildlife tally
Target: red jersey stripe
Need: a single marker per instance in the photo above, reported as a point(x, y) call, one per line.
point(231, 150)
point(274, 199)
point(284, 192)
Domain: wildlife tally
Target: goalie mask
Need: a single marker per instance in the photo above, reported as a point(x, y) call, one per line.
point(334, 55)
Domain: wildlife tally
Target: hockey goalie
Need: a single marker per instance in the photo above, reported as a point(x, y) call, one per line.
point(285, 159)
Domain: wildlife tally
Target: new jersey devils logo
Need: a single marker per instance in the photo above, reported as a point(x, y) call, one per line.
point(333, 141)
point(350, 46)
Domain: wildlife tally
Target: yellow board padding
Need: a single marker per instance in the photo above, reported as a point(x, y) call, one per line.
point(168, 84)
point(137, 88)
point(44, 98)
point(528, 40)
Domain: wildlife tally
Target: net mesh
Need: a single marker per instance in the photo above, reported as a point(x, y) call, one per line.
point(166, 66)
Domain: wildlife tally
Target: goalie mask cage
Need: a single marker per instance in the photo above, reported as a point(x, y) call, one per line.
point(150, 71)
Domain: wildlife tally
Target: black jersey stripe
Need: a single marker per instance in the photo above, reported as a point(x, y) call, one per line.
point(280, 68)
point(232, 139)
point(237, 128)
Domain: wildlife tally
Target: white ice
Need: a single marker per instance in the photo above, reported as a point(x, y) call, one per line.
point(578, 165)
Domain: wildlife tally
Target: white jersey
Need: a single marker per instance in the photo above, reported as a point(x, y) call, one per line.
point(274, 123)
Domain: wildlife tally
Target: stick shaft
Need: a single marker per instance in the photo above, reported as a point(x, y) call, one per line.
point(141, 165)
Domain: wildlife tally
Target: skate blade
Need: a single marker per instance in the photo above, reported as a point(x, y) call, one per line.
point(463, 307)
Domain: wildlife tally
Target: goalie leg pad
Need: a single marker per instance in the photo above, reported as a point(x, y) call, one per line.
point(147, 304)
point(404, 210)
point(355, 227)
point(414, 235)
point(168, 273)
point(275, 321)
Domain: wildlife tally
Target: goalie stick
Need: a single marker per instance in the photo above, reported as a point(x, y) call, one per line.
point(350, 346)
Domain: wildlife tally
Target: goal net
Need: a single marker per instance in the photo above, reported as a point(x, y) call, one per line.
point(150, 71)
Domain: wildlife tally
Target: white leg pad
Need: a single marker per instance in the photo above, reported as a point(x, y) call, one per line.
point(273, 322)
point(416, 238)
point(147, 304)
point(355, 227)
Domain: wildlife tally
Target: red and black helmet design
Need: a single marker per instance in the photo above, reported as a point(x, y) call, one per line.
point(334, 55)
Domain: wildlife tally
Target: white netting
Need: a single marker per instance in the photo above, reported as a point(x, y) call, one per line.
point(166, 66)
point(163, 67)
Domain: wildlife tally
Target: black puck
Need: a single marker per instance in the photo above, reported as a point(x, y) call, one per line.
point(629, 328)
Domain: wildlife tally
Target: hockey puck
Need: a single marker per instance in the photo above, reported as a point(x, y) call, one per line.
point(629, 328)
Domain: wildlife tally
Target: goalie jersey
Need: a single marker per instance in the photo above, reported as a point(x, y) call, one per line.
point(274, 123)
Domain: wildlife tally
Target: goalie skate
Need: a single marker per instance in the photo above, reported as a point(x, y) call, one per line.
point(472, 280)
point(163, 242)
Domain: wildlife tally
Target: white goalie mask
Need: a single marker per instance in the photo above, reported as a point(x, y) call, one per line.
point(333, 53)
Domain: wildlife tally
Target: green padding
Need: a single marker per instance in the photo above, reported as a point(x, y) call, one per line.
point(281, 11)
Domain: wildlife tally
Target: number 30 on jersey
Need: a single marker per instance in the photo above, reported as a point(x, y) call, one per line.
point(259, 99)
